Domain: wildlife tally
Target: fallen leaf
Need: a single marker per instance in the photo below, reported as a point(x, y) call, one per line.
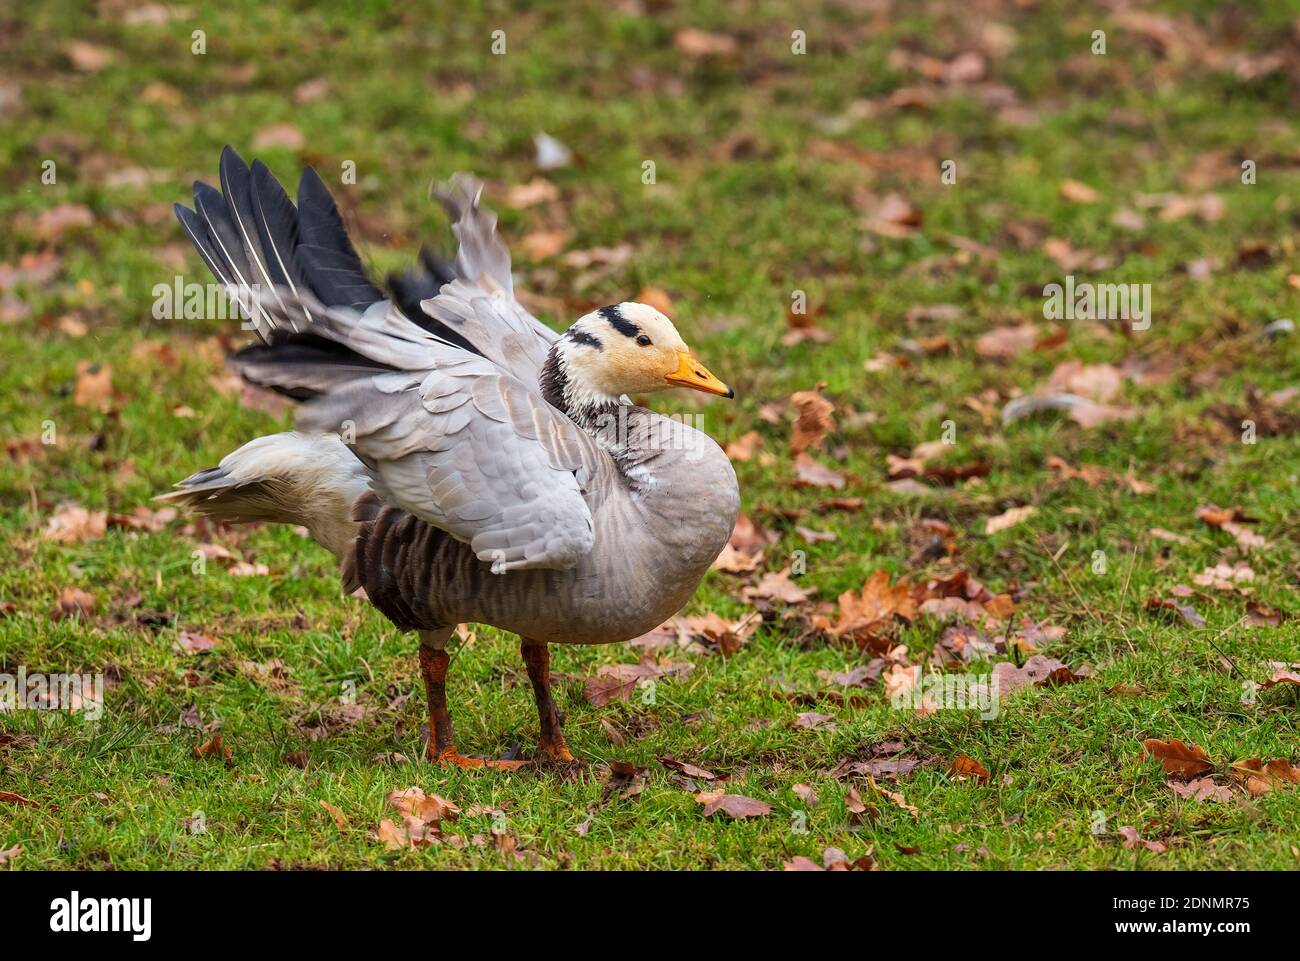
point(776, 586)
point(690, 770)
point(1132, 839)
point(539, 190)
point(615, 682)
point(9, 797)
point(1177, 758)
point(811, 473)
point(279, 136)
point(74, 602)
point(1283, 674)
point(94, 386)
point(1260, 777)
point(814, 420)
point(699, 43)
point(87, 57)
point(9, 855)
point(745, 447)
point(734, 805)
point(1038, 671)
point(1201, 789)
point(336, 814)
point(1077, 192)
point(1003, 343)
point(964, 766)
point(214, 747)
point(191, 642)
point(1188, 613)
point(74, 524)
point(1009, 518)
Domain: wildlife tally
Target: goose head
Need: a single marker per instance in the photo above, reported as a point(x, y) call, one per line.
point(627, 348)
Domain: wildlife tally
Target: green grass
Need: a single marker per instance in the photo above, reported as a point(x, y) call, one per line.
point(416, 96)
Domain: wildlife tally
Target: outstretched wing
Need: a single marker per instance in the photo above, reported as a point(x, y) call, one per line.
point(451, 437)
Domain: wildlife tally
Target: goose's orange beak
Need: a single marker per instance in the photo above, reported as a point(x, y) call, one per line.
point(691, 373)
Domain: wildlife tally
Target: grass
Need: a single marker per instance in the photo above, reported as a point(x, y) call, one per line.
point(761, 162)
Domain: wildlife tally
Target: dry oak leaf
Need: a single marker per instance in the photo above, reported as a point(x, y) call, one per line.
point(94, 386)
point(1261, 777)
point(811, 473)
point(1176, 758)
point(777, 587)
point(1003, 343)
point(1039, 671)
point(745, 447)
point(336, 813)
point(9, 797)
point(615, 682)
point(876, 607)
point(964, 766)
point(1201, 789)
point(74, 523)
point(1132, 839)
point(1188, 613)
point(430, 808)
point(213, 747)
point(192, 642)
point(412, 833)
point(733, 805)
point(699, 43)
point(73, 602)
point(1009, 518)
point(814, 421)
point(1283, 674)
point(690, 770)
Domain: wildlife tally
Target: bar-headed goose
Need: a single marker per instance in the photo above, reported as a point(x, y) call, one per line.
point(463, 462)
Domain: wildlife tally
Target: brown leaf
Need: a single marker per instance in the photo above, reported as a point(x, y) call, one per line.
point(74, 524)
point(51, 224)
point(811, 473)
point(9, 797)
point(874, 610)
point(74, 602)
point(699, 43)
point(1261, 777)
point(94, 386)
point(690, 770)
point(1079, 193)
point(1282, 674)
point(1039, 671)
point(1201, 789)
point(214, 748)
point(806, 793)
point(544, 244)
point(1177, 758)
point(1009, 518)
point(87, 57)
point(814, 421)
point(745, 447)
point(284, 136)
point(1132, 839)
point(1261, 615)
point(1188, 613)
point(429, 808)
point(336, 814)
point(615, 682)
point(412, 833)
point(777, 587)
point(1003, 343)
point(191, 642)
point(9, 855)
point(539, 190)
point(964, 766)
point(733, 805)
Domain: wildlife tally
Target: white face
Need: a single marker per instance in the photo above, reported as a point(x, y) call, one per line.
point(631, 348)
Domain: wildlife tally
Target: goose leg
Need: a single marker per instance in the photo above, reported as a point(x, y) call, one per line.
point(537, 658)
point(442, 748)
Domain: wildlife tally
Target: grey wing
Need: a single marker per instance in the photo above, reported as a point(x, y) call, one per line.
point(471, 450)
point(480, 304)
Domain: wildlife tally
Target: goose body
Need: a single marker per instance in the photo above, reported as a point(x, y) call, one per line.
point(462, 461)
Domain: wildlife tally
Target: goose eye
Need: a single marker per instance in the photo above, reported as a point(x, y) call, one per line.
point(643, 340)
